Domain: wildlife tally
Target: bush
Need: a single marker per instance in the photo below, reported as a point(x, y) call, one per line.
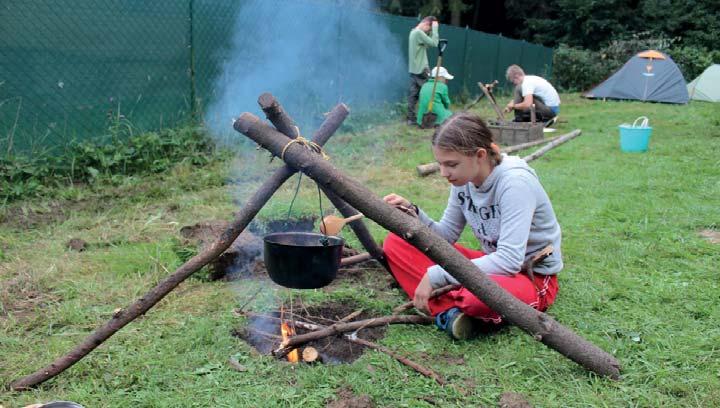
point(85, 162)
point(578, 69)
point(692, 61)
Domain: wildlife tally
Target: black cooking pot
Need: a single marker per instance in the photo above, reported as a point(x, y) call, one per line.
point(302, 260)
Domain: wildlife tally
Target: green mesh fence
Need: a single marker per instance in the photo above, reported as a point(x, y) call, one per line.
point(76, 69)
point(84, 69)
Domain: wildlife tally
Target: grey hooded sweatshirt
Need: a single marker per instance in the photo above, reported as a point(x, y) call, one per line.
point(510, 214)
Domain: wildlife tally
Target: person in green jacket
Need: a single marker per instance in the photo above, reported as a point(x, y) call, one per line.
point(422, 37)
point(441, 104)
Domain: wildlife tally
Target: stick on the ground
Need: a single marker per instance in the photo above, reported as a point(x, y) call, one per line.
point(435, 293)
point(415, 366)
point(124, 316)
point(430, 168)
point(355, 259)
point(338, 328)
point(539, 325)
point(555, 143)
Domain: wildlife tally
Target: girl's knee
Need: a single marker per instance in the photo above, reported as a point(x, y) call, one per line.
point(392, 242)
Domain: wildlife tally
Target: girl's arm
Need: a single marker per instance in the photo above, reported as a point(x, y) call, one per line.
point(517, 204)
point(452, 222)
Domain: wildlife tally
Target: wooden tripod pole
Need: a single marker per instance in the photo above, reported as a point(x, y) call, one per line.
point(539, 325)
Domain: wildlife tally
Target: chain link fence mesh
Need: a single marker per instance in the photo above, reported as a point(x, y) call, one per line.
point(79, 69)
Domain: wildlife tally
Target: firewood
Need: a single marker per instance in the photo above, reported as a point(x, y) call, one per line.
point(539, 325)
point(338, 328)
point(355, 259)
point(310, 355)
point(223, 242)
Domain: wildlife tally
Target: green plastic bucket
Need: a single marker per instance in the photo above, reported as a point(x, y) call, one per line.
point(635, 138)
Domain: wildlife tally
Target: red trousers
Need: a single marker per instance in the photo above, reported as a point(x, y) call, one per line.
point(409, 265)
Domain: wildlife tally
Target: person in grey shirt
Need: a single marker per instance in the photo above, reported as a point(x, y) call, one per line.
point(501, 199)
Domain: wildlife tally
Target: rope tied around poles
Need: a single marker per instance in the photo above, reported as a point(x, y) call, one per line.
point(307, 143)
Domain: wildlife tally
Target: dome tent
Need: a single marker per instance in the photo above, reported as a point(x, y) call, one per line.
point(648, 76)
point(706, 87)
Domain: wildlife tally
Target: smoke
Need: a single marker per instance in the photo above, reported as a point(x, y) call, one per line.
point(310, 54)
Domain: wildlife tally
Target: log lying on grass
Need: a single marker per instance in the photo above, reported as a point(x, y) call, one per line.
point(143, 304)
point(541, 326)
point(430, 168)
point(555, 143)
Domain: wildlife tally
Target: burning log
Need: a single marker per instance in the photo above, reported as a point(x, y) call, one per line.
point(339, 328)
point(430, 168)
point(143, 304)
point(539, 325)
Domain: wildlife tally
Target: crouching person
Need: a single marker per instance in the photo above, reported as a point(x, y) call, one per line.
point(501, 199)
point(529, 90)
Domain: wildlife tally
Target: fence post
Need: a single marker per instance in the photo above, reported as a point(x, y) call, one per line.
point(466, 89)
point(191, 46)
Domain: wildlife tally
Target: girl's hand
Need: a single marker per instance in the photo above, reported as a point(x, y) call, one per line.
point(396, 200)
point(401, 204)
point(422, 295)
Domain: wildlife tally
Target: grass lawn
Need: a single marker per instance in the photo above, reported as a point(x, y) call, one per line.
point(640, 281)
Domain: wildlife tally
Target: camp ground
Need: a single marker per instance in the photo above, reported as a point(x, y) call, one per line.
point(231, 204)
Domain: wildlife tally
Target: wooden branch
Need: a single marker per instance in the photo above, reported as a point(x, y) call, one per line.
point(565, 138)
point(415, 366)
point(124, 316)
point(539, 325)
point(338, 328)
point(430, 168)
point(355, 259)
point(435, 293)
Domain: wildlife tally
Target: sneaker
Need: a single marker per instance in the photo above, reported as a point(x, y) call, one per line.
point(412, 123)
point(551, 121)
point(456, 324)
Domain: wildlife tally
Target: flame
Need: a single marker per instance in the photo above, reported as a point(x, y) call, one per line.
point(286, 330)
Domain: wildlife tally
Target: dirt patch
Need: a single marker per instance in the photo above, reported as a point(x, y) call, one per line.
point(76, 244)
point(32, 216)
point(345, 398)
point(513, 400)
point(263, 330)
point(21, 298)
point(243, 259)
point(711, 235)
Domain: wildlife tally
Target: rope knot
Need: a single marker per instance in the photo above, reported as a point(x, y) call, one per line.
point(307, 143)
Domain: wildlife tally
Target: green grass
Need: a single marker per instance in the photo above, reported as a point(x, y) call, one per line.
point(639, 280)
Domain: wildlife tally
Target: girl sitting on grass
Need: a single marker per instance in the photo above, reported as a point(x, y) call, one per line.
point(502, 200)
